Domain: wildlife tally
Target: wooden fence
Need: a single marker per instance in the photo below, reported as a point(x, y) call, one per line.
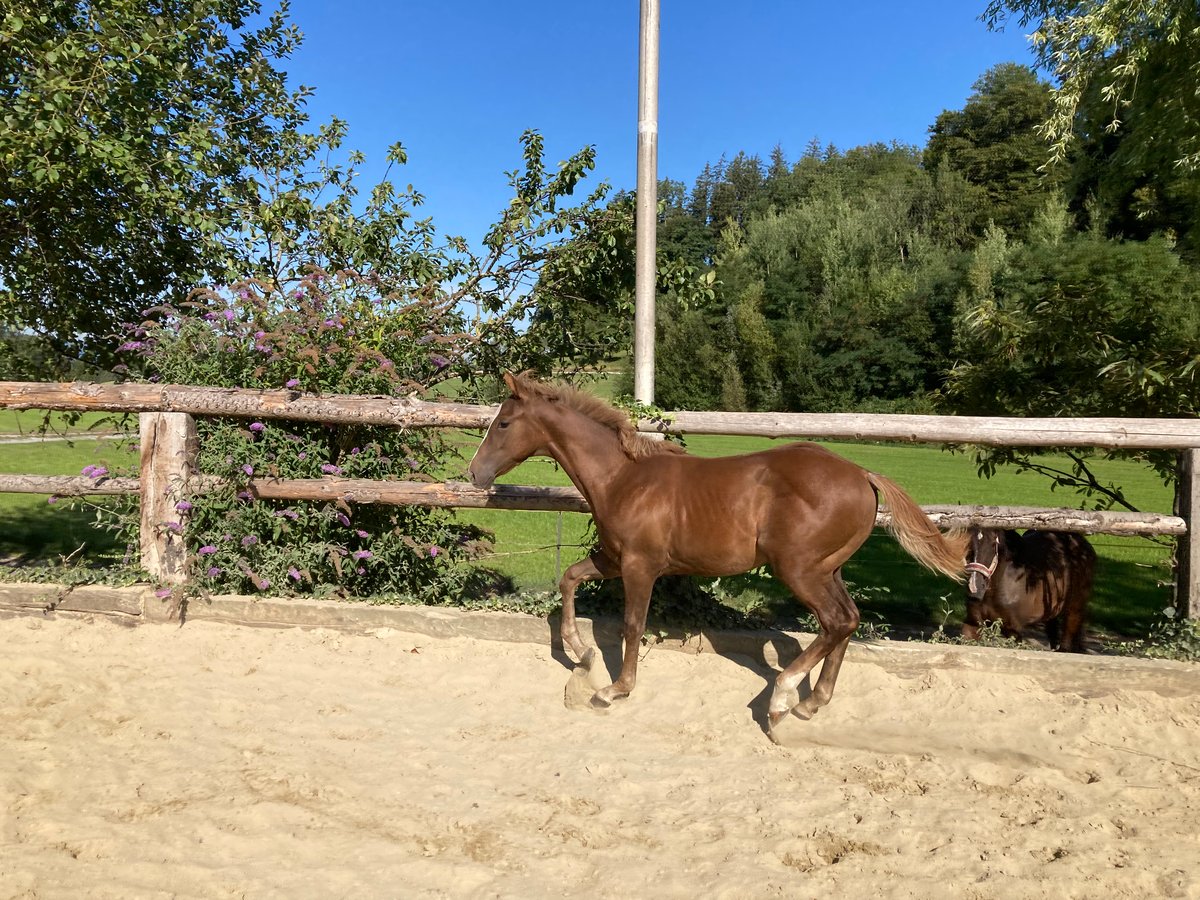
point(168, 443)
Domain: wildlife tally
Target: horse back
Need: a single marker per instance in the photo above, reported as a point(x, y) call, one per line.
point(736, 512)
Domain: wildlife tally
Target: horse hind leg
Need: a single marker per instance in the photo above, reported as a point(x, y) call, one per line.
point(830, 602)
point(1074, 615)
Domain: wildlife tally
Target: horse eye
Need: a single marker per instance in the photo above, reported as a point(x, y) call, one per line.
point(503, 424)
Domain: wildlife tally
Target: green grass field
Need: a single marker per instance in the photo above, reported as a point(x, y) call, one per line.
point(29, 422)
point(1130, 590)
point(32, 528)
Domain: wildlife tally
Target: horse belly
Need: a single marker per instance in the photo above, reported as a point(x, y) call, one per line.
point(709, 528)
point(715, 537)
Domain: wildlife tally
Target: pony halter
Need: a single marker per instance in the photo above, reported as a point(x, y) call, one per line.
point(987, 571)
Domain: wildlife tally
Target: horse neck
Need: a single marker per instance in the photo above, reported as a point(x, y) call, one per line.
point(589, 452)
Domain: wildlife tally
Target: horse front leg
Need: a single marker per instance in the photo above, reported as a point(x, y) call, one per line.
point(596, 566)
point(638, 586)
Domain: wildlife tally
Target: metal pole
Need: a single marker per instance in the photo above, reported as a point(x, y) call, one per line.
point(647, 205)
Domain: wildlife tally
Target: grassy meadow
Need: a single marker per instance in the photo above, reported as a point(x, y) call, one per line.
point(33, 529)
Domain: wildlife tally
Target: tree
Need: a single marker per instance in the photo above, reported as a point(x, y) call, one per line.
point(130, 128)
point(1075, 325)
point(993, 144)
point(1121, 49)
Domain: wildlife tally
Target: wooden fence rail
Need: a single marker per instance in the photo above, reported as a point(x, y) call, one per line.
point(408, 412)
point(168, 456)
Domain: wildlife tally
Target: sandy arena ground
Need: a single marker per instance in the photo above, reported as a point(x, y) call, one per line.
point(214, 760)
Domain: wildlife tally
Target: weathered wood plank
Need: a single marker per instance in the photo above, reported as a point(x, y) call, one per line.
point(68, 485)
point(459, 495)
point(416, 493)
point(989, 431)
point(243, 403)
point(1187, 552)
point(1114, 433)
point(168, 461)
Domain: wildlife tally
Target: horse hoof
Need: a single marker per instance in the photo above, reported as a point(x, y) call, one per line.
point(604, 698)
point(785, 730)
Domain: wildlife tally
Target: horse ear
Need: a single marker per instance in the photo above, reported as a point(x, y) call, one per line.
point(513, 384)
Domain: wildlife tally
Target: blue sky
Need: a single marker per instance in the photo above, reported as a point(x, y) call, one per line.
point(457, 81)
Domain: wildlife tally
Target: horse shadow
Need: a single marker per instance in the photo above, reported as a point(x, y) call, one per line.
point(761, 652)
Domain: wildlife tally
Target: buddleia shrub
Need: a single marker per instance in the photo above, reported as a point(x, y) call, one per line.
point(324, 335)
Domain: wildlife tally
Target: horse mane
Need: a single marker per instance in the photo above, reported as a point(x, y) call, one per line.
point(634, 444)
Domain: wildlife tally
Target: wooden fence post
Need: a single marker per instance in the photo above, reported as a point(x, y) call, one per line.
point(1187, 553)
point(168, 460)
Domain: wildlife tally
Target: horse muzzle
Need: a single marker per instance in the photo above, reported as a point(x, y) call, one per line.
point(481, 480)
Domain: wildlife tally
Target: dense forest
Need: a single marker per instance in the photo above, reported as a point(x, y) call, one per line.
point(966, 275)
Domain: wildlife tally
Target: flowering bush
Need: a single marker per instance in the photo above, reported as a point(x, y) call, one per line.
point(324, 334)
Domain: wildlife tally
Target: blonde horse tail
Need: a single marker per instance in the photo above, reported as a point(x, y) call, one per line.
point(916, 533)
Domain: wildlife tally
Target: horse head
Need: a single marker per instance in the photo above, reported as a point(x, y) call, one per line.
point(983, 555)
point(514, 435)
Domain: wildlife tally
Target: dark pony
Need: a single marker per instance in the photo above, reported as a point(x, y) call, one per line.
point(1041, 578)
point(798, 508)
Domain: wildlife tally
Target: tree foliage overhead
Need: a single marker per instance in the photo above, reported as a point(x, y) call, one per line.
point(1118, 49)
point(130, 130)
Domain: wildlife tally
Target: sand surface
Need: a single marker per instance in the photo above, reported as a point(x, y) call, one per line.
point(213, 760)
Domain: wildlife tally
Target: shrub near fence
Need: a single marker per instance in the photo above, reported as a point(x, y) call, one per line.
point(167, 467)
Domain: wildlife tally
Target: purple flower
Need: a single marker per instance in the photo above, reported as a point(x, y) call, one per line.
point(162, 593)
point(249, 540)
point(173, 527)
point(245, 495)
point(183, 506)
point(248, 469)
point(292, 382)
point(51, 500)
point(229, 315)
point(94, 471)
point(293, 573)
point(362, 554)
point(207, 549)
point(434, 550)
point(301, 455)
point(341, 517)
point(361, 571)
point(257, 427)
point(362, 534)
point(330, 469)
point(263, 583)
point(131, 345)
point(438, 361)
point(286, 513)
point(214, 571)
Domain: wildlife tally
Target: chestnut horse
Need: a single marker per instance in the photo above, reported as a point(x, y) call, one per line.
point(1043, 577)
point(798, 508)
